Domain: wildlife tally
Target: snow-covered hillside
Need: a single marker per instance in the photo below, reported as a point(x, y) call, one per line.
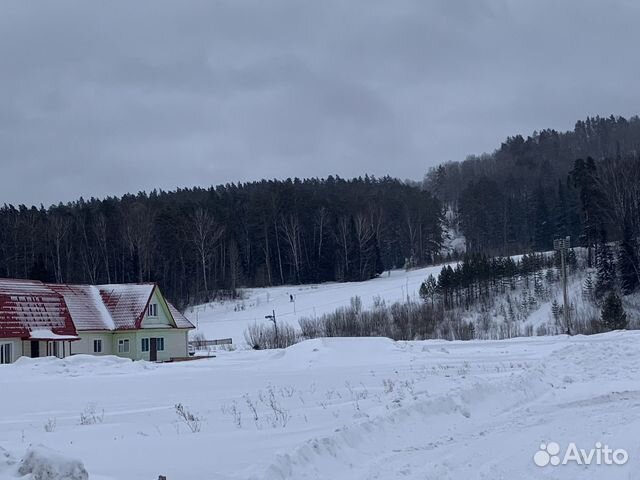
point(533, 314)
point(334, 408)
point(229, 319)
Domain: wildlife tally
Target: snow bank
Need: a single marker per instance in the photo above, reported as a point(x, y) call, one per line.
point(342, 450)
point(7, 464)
point(41, 463)
point(78, 365)
point(77, 360)
point(340, 351)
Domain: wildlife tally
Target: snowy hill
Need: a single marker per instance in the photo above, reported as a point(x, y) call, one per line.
point(345, 409)
point(518, 311)
point(229, 319)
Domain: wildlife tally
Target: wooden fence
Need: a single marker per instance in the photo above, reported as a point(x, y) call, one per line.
point(200, 344)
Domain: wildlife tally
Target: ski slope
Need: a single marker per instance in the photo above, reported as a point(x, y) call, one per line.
point(229, 319)
point(343, 409)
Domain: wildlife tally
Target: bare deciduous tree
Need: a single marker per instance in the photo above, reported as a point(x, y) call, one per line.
point(205, 233)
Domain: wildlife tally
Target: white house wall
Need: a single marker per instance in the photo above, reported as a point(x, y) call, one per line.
point(16, 349)
point(134, 348)
point(175, 343)
point(163, 319)
point(85, 344)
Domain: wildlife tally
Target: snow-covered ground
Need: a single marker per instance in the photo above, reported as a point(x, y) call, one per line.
point(337, 408)
point(229, 319)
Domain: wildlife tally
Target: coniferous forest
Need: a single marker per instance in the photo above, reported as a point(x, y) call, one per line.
point(582, 183)
point(201, 243)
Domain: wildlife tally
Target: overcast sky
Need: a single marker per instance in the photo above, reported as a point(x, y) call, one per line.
point(100, 98)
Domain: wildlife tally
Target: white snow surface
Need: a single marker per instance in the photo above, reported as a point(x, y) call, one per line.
point(105, 316)
point(46, 334)
point(229, 319)
point(341, 409)
point(41, 463)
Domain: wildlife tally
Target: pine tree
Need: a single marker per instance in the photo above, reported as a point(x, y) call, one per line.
point(446, 285)
point(556, 310)
point(502, 312)
point(572, 260)
point(511, 313)
point(533, 303)
point(543, 226)
point(524, 303)
point(588, 288)
point(560, 215)
point(550, 276)
point(628, 264)
point(606, 276)
point(613, 315)
point(428, 289)
point(583, 174)
point(538, 285)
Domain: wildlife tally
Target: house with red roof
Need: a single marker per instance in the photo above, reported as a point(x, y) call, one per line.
point(34, 321)
point(128, 320)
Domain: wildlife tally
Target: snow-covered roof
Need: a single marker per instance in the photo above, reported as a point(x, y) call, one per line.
point(31, 306)
point(28, 305)
point(46, 334)
point(180, 319)
point(84, 302)
point(127, 303)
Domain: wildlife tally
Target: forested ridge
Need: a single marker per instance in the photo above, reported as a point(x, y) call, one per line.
point(200, 243)
point(582, 183)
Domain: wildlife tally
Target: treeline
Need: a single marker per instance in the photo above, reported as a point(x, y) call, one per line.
point(478, 278)
point(582, 183)
point(198, 243)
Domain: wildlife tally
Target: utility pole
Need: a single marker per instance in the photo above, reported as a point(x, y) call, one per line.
point(562, 245)
point(272, 317)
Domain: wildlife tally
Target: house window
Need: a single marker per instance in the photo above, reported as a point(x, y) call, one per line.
point(123, 345)
point(144, 345)
point(153, 310)
point(160, 344)
point(6, 353)
point(97, 346)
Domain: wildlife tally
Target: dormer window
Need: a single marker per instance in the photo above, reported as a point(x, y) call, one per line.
point(153, 310)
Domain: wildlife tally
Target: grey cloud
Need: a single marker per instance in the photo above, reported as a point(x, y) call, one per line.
point(101, 98)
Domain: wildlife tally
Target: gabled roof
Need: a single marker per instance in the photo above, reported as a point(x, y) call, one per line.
point(86, 307)
point(181, 320)
point(127, 303)
point(28, 305)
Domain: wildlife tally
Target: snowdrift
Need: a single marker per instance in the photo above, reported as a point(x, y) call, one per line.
point(41, 463)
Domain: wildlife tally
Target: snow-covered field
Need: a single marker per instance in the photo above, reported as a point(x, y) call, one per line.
point(335, 409)
point(229, 319)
